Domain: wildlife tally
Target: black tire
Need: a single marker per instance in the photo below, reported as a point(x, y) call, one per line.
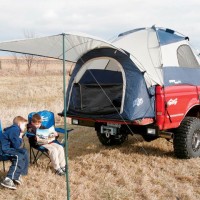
point(187, 139)
point(111, 139)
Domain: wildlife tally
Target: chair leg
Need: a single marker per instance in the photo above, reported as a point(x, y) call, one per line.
point(34, 156)
point(30, 157)
point(4, 166)
point(38, 155)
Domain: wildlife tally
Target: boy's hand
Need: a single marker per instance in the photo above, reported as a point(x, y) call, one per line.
point(55, 134)
point(21, 135)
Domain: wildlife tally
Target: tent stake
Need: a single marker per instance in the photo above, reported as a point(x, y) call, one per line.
point(65, 120)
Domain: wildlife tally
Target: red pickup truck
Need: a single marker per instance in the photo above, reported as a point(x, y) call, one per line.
point(177, 118)
point(147, 83)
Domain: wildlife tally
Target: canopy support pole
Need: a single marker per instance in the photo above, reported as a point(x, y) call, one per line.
point(65, 120)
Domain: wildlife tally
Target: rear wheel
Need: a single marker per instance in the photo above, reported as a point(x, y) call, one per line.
point(109, 140)
point(187, 138)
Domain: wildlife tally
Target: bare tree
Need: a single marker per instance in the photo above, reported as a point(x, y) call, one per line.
point(29, 59)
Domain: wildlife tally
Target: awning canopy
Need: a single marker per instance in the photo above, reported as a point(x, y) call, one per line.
point(76, 45)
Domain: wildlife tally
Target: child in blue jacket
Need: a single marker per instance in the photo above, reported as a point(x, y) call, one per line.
point(11, 144)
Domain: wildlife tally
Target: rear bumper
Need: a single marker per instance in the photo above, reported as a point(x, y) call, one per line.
point(91, 121)
point(144, 126)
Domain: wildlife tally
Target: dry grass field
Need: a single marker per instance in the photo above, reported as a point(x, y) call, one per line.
point(136, 170)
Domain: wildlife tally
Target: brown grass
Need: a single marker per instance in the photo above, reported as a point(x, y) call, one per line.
point(96, 172)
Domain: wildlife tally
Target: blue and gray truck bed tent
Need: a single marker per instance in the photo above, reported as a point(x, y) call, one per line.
point(110, 83)
point(105, 93)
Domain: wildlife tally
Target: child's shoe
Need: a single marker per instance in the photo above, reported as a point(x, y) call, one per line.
point(60, 172)
point(8, 183)
point(63, 169)
point(18, 181)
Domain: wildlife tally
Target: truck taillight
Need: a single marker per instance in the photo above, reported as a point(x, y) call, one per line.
point(160, 106)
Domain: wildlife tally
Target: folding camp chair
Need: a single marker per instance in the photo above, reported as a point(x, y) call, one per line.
point(48, 120)
point(3, 157)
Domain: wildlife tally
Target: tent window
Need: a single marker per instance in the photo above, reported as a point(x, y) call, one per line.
point(186, 57)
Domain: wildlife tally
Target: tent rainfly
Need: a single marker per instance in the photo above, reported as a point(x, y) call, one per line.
point(111, 84)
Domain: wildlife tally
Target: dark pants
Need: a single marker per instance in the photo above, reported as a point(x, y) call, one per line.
point(19, 163)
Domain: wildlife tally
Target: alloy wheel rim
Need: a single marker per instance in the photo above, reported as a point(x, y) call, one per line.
point(196, 140)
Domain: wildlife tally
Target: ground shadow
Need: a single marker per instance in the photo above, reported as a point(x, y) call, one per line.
point(148, 151)
point(86, 142)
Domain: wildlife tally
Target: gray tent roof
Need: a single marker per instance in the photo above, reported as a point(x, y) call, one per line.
point(76, 45)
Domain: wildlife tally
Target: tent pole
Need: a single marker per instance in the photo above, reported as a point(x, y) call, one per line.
point(65, 119)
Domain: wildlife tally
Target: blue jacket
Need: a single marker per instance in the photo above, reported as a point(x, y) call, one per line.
point(10, 139)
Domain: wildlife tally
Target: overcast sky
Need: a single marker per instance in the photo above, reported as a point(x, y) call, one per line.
point(102, 18)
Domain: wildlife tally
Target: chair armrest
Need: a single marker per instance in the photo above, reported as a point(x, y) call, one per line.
point(62, 130)
point(29, 135)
